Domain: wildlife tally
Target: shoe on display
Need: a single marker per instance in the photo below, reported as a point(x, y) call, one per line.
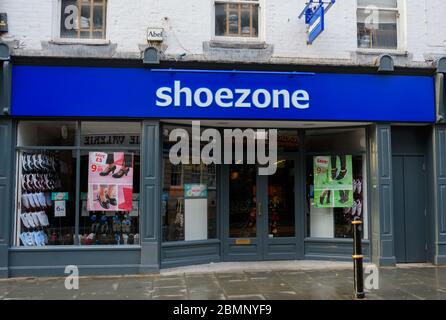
point(35, 200)
point(354, 208)
point(136, 238)
point(36, 238)
point(43, 218)
point(35, 218)
point(30, 239)
point(125, 237)
point(358, 207)
point(359, 186)
point(30, 220)
point(131, 239)
point(42, 200)
point(354, 185)
point(25, 201)
point(24, 220)
point(22, 237)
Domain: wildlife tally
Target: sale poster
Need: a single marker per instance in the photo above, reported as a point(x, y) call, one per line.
point(110, 181)
point(333, 181)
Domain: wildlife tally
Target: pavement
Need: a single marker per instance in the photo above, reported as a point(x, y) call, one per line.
point(301, 280)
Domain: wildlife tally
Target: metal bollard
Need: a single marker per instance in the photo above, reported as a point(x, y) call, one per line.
point(358, 271)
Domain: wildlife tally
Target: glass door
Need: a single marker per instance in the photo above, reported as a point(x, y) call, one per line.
point(261, 212)
point(279, 239)
point(244, 212)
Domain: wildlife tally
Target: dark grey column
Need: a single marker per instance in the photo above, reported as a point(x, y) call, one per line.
point(6, 194)
point(150, 197)
point(440, 194)
point(381, 212)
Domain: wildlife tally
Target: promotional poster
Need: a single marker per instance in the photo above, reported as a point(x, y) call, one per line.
point(333, 181)
point(110, 181)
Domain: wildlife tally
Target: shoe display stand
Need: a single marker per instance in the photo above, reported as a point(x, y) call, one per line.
point(109, 228)
point(38, 177)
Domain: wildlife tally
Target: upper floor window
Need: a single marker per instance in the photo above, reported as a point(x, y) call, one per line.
point(377, 24)
point(237, 18)
point(83, 19)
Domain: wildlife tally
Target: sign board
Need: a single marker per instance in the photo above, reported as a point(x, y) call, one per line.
point(155, 34)
point(195, 191)
point(59, 195)
point(60, 208)
point(316, 24)
point(210, 94)
point(314, 12)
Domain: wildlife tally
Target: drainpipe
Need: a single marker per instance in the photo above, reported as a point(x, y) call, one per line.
point(5, 80)
point(440, 91)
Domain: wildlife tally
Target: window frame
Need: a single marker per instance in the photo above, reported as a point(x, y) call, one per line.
point(77, 149)
point(215, 187)
point(400, 24)
point(57, 20)
point(261, 19)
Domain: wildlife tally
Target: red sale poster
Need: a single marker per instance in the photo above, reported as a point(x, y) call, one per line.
point(110, 181)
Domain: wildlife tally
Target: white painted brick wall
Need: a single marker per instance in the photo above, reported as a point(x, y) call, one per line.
point(189, 23)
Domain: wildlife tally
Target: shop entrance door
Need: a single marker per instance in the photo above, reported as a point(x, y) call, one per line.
point(409, 207)
point(260, 220)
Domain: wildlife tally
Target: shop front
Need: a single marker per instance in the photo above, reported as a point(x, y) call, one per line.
point(88, 177)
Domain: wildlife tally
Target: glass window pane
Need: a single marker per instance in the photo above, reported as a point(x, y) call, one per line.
point(77, 20)
point(378, 3)
point(220, 19)
point(281, 198)
point(126, 134)
point(98, 17)
point(109, 197)
point(287, 140)
point(233, 20)
point(339, 140)
point(189, 197)
point(85, 17)
point(331, 211)
point(242, 201)
point(379, 32)
point(69, 19)
point(46, 198)
point(255, 20)
point(246, 20)
point(46, 133)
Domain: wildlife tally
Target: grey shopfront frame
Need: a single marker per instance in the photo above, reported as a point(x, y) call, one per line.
point(180, 253)
point(153, 254)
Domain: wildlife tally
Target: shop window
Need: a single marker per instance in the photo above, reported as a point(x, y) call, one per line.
point(235, 18)
point(83, 19)
point(336, 185)
point(46, 133)
point(189, 198)
point(108, 192)
point(46, 197)
point(377, 24)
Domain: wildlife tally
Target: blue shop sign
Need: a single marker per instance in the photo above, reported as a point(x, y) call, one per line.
point(206, 94)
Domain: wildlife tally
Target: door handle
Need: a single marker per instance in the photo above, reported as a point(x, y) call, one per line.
point(260, 208)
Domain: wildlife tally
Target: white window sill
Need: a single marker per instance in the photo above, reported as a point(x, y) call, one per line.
point(237, 43)
point(94, 42)
point(237, 39)
point(395, 52)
